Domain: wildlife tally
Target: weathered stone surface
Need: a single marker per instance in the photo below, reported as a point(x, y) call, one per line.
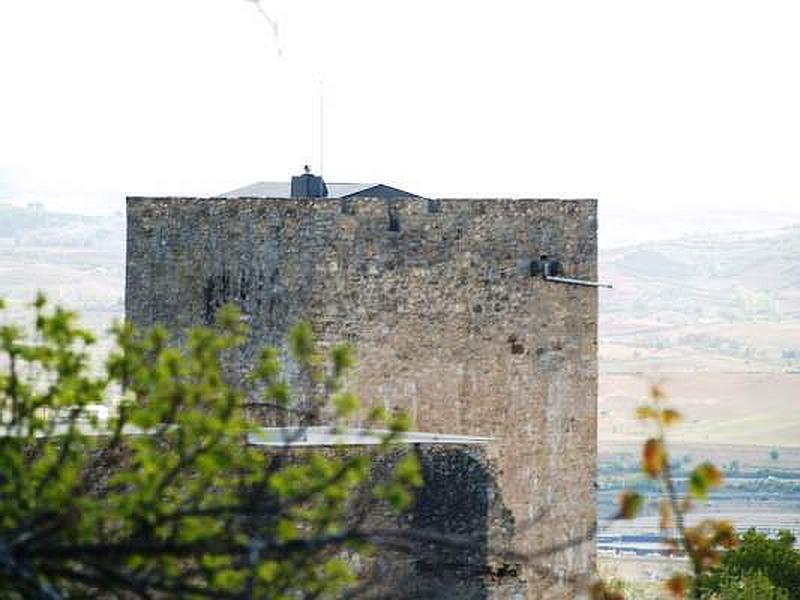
point(437, 299)
point(461, 501)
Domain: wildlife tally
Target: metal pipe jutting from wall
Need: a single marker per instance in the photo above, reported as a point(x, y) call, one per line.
point(595, 284)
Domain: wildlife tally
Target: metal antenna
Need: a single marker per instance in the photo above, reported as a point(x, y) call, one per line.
point(272, 22)
point(321, 124)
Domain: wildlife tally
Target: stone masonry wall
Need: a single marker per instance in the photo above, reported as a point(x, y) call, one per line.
point(460, 501)
point(437, 298)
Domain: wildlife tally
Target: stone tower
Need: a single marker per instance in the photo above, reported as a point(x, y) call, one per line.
point(449, 324)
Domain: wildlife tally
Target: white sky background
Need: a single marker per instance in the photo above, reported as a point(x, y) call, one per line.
point(654, 105)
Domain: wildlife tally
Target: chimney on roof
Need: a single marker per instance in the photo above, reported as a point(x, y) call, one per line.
point(308, 185)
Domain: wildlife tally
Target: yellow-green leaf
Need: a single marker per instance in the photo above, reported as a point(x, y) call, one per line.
point(703, 478)
point(630, 503)
point(345, 403)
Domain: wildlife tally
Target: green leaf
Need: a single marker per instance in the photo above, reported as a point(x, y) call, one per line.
point(409, 470)
point(630, 504)
point(345, 403)
point(301, 343)
point(343, 358)
point(702, 479)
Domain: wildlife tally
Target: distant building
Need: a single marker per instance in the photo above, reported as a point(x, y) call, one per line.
point(453, 320)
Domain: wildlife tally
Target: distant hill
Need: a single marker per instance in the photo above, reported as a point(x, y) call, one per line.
point(35, 226)
point(725, 302)
point(715, 318)
point(78, 261)
point(647, 223)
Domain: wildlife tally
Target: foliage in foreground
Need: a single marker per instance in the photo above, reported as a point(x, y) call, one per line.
point(751, 586)
point(165, 498)
point(617, 588)
point(759, 568)
point(724, 565)
point(704, 543)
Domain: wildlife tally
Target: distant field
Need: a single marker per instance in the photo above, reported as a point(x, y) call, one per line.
point(761, 489)
point(749, 457)
point(712, 303)
point(78, 261)
point(83, 279)
point(651, 569)
point(761, 409)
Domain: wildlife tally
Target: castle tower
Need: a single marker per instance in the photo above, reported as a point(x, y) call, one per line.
point(438, 298)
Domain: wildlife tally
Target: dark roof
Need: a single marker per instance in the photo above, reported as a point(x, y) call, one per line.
point(282, 189)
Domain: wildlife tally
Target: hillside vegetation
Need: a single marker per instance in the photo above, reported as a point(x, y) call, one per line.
point(726, 303)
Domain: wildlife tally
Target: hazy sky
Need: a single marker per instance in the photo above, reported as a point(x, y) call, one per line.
point(649, 104)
